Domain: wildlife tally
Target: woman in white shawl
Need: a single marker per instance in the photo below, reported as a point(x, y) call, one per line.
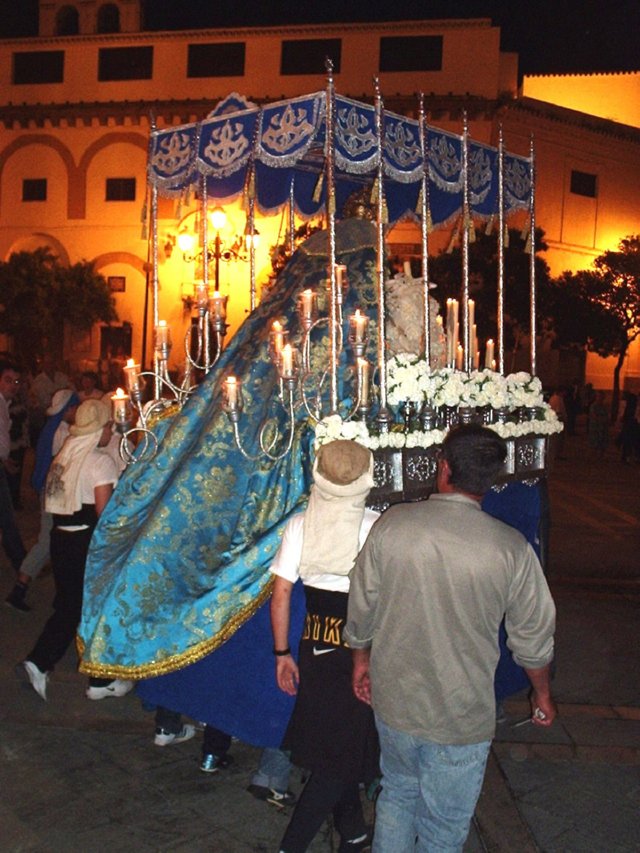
point(79, 484)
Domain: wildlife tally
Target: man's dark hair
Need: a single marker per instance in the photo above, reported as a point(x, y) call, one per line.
point(475, 456)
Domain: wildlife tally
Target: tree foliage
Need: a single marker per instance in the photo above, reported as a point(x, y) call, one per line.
point(605, 301)
point(38, 295)
point(446, 270)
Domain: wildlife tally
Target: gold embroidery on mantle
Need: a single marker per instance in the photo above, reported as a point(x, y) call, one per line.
point(179, 661)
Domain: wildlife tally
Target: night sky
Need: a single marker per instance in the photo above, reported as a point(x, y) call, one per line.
point(552, 36)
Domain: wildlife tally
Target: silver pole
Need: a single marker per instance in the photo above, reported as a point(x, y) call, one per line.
point(331, 228)
point(204, 230)
point(384, 416)
point(466, 221)
point(501, 225)
point(292, 218)
point(424, 227)
point(155, 283)
point(532, 262)
point(252, 251)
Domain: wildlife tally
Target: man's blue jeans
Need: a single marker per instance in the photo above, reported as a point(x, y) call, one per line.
point(429, 793)
point(273, 771)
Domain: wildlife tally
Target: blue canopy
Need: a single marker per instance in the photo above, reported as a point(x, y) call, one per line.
point(285, 142)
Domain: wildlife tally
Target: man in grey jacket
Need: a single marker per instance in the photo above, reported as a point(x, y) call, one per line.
point(428, 592)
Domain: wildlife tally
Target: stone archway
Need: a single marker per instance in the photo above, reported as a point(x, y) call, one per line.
point(39, 240)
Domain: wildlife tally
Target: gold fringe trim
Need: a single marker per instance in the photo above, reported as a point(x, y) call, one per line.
point(179, 661)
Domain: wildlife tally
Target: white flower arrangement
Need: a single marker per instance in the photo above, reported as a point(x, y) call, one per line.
point(406, 375)
point(547, 426)
point(485, 388)
point(411, 380)
point(333, 428)
point(524, 390)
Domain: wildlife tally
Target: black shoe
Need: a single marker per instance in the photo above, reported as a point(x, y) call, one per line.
point(16, 600)
point(358, 845)
point(280, 799)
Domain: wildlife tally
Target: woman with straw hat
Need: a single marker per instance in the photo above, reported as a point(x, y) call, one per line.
point(79, 484)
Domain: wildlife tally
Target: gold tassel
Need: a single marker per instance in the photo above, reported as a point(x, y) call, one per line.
point(454, 238)
point(472, 231)
point(317, 190)
point(527, 245)
point(385, 212)
point(525, 232)
point(506, 236)
point(418, 208)
point(490, 223)
point(429, 222)
point(374, 192)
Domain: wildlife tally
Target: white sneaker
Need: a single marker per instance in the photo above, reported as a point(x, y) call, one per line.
point(164, 738)
point(37, 678)
point(118, 687)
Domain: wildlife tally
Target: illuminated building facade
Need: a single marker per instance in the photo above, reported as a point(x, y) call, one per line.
point(78, 100)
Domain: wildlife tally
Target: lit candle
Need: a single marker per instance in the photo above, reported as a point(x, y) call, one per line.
point(218, 306)
point(359, 323)
point(287, 361)
point(163, 334)
point(119, 402)
point(231, 387)
point(489, 354)
point(202, 295)
point(472, 313)
point(473, 343)
point(306, 304)
point(407, 269)
point(459, 357)
point(277, 337)
point(132, 374)
point(363, 382)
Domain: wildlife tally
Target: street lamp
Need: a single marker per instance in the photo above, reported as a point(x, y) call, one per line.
point(218, 219)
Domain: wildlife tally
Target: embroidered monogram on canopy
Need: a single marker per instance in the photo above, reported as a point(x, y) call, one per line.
point(355, 137)
point(480, 173)
point(290, 137)
point(225, 143)
point(403, 157)
point(288, 129)
point(517, 181)
point(445, 160)
point(172, 154)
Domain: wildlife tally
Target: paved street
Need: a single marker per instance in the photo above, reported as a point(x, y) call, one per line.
point(85, 776)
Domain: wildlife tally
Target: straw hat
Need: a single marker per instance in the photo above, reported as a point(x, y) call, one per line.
point(341, 461)
point(92, 416)
point(59, 401)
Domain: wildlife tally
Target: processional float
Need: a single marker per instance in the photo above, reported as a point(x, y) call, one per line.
point(310, 153)
point(178, 565)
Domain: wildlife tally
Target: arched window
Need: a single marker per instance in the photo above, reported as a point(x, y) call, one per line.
point(67, 21)
point(108, 18)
